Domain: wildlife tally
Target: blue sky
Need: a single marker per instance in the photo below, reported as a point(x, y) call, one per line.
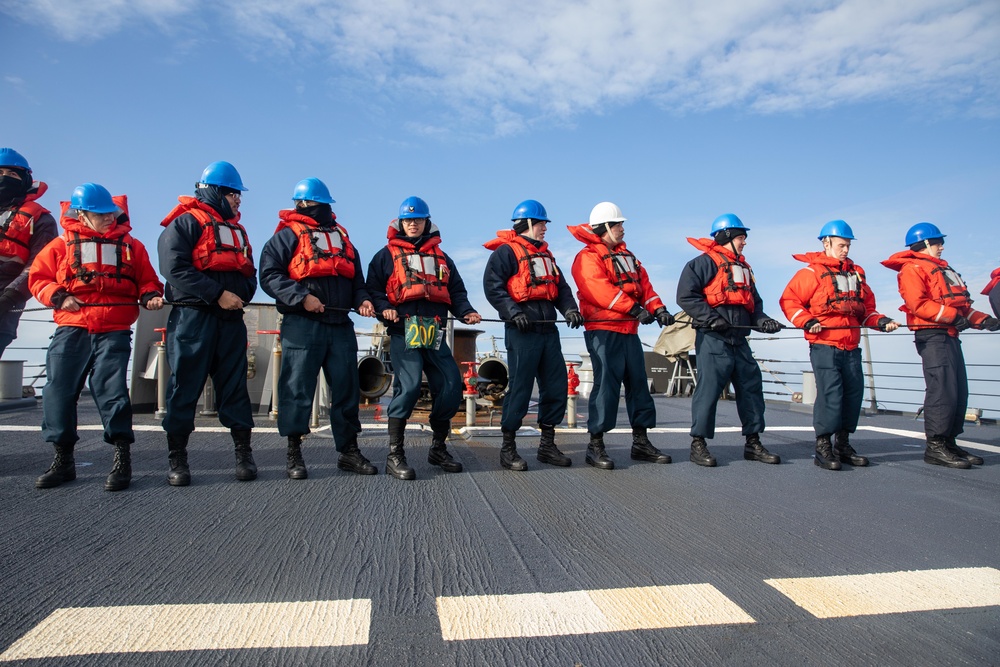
point(786, 113)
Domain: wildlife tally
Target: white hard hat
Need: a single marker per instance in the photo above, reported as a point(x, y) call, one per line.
point(605, 212)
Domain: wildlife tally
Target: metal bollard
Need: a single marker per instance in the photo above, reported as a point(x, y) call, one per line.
point(273, 414)
point(161, 374)
point(314, 419)
point(572, 382)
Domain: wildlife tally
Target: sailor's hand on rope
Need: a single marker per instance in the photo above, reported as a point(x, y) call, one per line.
point(813, 326)
point(961, 324)
point(390, 315)
point(156, 303)
point(522, 322)
point(771, 326)
point(641, 314)
point(70, 304)
point(664, 318)
point(719, 325)
point(366, 309)
point(229, 301)
point(990, 324)
point(886, 325)
point(312, 304)
point(574, 319)
point(472, 318)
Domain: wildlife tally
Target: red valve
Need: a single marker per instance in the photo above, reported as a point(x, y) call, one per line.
point(470, 378)
point(572, 380)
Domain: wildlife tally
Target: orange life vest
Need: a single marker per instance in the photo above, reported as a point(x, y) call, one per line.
point(223, 244)
point(945, 285)
point(623, 269)
point(994, 281)
point(418, 273)
point(841, 290)
point(537, 277)
point(104, 259)
point(18, 224)
point(733, 281)
point(321, 252)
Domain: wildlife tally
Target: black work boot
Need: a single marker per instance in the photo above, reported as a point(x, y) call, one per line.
point(754, 451)
point(547, 450)
point(439, 455)
point(700, 453)
point(395, 463)
point(509, 457)
point(596, 456)
point(352, 460)
point(824, 453)
point(121, 470)
point(246, 469)
point(962, 454)
point(296, 467)
point(180, 474)
point(842, 450)
point(62, 470)
point(938, 454)
point(643, 449)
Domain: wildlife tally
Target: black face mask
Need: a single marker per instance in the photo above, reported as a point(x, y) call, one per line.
point(215, 197)
point(12, 190)
point(321, 213)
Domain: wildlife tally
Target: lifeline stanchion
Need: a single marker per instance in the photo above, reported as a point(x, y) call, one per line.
point(572, 382)
point(470, 394)
point(273, 414)
point(314, 418)
point(161, 374)
point(208, 409)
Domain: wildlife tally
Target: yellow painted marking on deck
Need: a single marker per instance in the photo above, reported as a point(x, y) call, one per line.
point(193, 627)
point(893, 592)
point(585, 612)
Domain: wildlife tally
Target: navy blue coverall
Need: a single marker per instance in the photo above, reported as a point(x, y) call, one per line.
point(203, 339)
point(311, 341)
point(443, 376)
point(534, 354)
point(722, 357)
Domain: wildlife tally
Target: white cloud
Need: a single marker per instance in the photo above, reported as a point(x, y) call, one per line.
point(508, 65)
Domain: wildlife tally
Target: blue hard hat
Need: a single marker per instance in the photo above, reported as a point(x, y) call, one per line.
point(312, 189)
point(837, 228)
point(727, 221)
point(414, 207)
point(11, 158)
point(92, 197)
point(223, 174)
point(923, 231)
point(530, 209)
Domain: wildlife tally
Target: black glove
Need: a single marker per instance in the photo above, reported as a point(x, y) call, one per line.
point(719, 325)
point(961, 324)
point(663, 317)
point(810, 324)
point(574, 319)
point(990, 324)
point(7, 301)
point(522, 322)
point(641, 314)
point(770, 326)
point(883, 322)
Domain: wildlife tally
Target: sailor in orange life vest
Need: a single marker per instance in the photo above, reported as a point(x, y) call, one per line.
point(414, 285)
point(830, 300)
point(992, 290)
point(938, 306)
point(526, 287)
point(717, 290)
point(615, 297)
point(25, 228)
point(313, 271)
point(95, 261)
point(206, 258)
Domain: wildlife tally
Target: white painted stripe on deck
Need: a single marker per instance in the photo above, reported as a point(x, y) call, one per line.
point(194, 627)
point(893, 592)
point(585, 612)
point(965, 444)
